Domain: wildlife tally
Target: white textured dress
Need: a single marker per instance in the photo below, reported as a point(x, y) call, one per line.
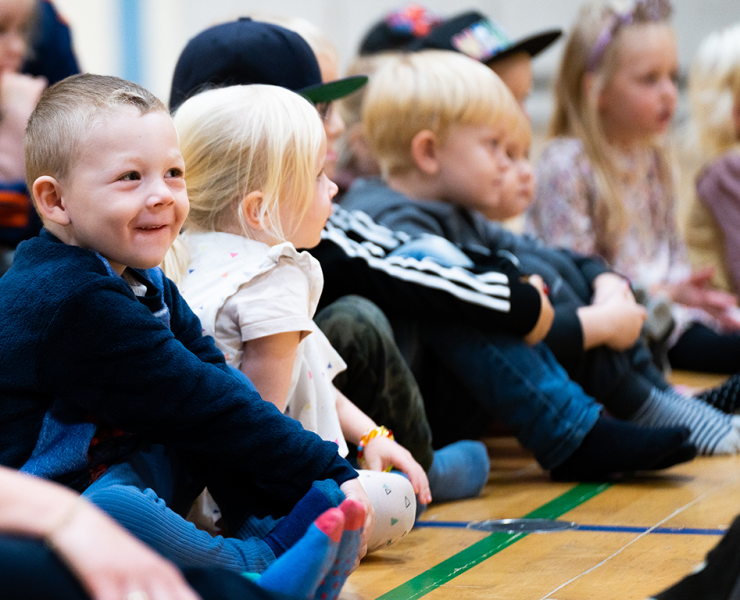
point(237, 288)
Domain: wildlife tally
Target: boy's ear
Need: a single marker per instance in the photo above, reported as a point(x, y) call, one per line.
point(250, 206)
point(48, 194)
point(424, 152)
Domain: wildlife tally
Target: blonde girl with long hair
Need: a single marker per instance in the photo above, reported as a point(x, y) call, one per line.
point(605, 180)
point(713, 224)
point(255, 159)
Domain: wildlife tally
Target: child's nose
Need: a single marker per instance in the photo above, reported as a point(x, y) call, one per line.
point(333, 189)
point(670, 88)
point(160, 194)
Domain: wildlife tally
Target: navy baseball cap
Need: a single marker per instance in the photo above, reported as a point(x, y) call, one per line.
point(479, 37)
point(244, 52)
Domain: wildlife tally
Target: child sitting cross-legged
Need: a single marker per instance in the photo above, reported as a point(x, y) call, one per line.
point(441, 173)
point(111, 387)
point(255, 159)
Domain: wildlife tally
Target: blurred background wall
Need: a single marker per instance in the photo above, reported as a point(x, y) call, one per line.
point(141, 39)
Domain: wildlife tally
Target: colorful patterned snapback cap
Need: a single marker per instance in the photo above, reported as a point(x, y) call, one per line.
point(478, 37)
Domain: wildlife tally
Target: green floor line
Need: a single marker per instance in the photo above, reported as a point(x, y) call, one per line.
point(490, 545)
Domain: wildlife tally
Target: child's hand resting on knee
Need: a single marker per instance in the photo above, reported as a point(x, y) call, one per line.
point(614, 319)
point(610, 285)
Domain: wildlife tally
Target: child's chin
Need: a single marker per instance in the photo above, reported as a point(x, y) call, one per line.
point(148, 263)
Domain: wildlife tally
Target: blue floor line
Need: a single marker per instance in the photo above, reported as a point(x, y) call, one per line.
point(604, 528)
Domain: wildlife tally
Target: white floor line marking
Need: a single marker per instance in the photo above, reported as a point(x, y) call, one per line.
point(669, 517)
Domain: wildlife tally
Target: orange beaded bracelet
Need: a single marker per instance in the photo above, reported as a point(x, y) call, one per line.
point(369, 435)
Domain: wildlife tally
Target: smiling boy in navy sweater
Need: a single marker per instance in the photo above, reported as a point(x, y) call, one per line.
point(108, 384)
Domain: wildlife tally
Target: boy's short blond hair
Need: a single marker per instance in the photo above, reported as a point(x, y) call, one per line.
point(65, 115)
point(430, 90)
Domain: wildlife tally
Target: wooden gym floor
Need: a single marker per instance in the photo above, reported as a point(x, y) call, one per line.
point(632, 539)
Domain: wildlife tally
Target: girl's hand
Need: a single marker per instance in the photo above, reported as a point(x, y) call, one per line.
point(547, 313)
point(111, 564)
point(353, 489)
point(695, 292)
point(381, 453)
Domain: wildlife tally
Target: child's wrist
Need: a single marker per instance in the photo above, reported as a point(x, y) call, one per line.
point(368, 436)
point(61, 523)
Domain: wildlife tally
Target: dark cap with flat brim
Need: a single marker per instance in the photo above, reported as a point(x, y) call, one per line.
point(245, 52)
point(478, 37)
point(398, 29)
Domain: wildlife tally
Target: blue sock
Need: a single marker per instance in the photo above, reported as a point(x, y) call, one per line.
point(459, 470)
point(322, 496)
point(354, 520)
point(298, 572)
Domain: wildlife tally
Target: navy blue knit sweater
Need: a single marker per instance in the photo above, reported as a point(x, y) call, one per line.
point(76, 338)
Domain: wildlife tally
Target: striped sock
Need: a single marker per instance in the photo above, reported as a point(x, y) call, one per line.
point(712, 432)
point(725, 397)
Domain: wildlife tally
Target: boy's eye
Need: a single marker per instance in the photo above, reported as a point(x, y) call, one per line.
point(650, 78)
point(130, 176)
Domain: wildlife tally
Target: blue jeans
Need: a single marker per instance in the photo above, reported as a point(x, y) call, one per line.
point(149, 492)
point(497, 377)
point(492, 376)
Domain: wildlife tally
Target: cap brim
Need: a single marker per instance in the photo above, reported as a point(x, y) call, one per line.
point(334, 90)
point(532, 45)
